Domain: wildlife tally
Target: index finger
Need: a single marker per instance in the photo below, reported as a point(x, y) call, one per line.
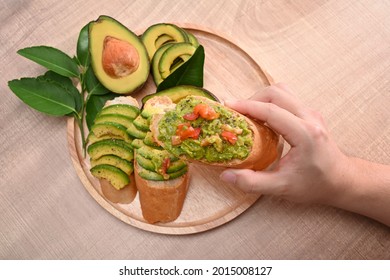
point(280, 95)
point(282, 121)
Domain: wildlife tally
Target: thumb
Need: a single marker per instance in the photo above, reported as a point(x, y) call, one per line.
point(251, 181)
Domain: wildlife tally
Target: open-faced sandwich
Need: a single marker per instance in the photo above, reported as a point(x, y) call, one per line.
point(125, 158)
point(201, 130)
point(110, 150)
point(161, 178)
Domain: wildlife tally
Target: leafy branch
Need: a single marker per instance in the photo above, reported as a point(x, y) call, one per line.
point(55, 93)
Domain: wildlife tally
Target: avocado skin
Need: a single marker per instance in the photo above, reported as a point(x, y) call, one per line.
point(179, 92)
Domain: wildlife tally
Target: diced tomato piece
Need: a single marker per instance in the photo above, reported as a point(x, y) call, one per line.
point(165, 165)
point(229, 136)
point(191, 116)
point(196, 133)
point(185, 130)
point(182, 126)
point(205, 111)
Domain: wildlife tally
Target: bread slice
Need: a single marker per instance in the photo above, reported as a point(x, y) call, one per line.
point(266, 148)
point(127, 194)
point(129, 100)
point(161, 201)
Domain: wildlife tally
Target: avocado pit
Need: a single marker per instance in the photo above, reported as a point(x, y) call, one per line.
point(119, 58)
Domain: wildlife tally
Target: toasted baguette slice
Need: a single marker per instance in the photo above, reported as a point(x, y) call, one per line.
point(123, 100)
point(266, 148)
point(161, 201)
point(125, 195)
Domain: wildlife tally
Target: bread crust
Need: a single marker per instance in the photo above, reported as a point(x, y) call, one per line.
point(161, 201)
point(266, 148)
point(128, 100)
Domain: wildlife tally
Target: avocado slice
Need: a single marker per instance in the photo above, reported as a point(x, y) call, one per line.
point(154, 176)
point(92, 138)
point(192, 39)
point(144, 162)
point(141, 123)
point(114, 175)
point(135, 132)
point(162, 40)
point(122, 164)
point(137, 143)
point(176, 166)
point(151, 36)
point(110, 147)
point(155, 61)
point(147, 152)
point(148, 164)
point(148, 140)
point(114, 118)
point(121, 109)
point(179, 92)
point(179, 51)
point(109, 42)
point(111, 129)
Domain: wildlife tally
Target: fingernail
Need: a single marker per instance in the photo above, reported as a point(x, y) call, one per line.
point(228, 177)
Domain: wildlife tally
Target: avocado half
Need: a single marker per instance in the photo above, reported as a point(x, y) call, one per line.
point(118, 57)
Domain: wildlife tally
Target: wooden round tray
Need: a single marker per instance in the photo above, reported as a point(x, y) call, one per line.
point(229, 72)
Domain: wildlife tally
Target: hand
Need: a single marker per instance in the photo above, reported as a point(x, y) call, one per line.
point(314, 165)
point(314, 169)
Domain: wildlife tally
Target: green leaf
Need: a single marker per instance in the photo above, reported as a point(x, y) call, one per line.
point(82, 46)
point(94, 87)
point(76, 60)
point(67, 84)
point(44, 96)
point(95, 104)
point(53, 59)
point(190, 73)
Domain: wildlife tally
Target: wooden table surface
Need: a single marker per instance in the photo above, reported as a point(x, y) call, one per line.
point(334, 54)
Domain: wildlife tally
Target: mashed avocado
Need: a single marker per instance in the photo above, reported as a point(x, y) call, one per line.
point(220, 139)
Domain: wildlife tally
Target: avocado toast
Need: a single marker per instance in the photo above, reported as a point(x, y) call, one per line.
point(161, 178)
point(110, 150)
point(201, 130)
point(125, 158)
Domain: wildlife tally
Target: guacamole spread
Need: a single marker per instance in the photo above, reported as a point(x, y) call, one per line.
point(207, 132)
